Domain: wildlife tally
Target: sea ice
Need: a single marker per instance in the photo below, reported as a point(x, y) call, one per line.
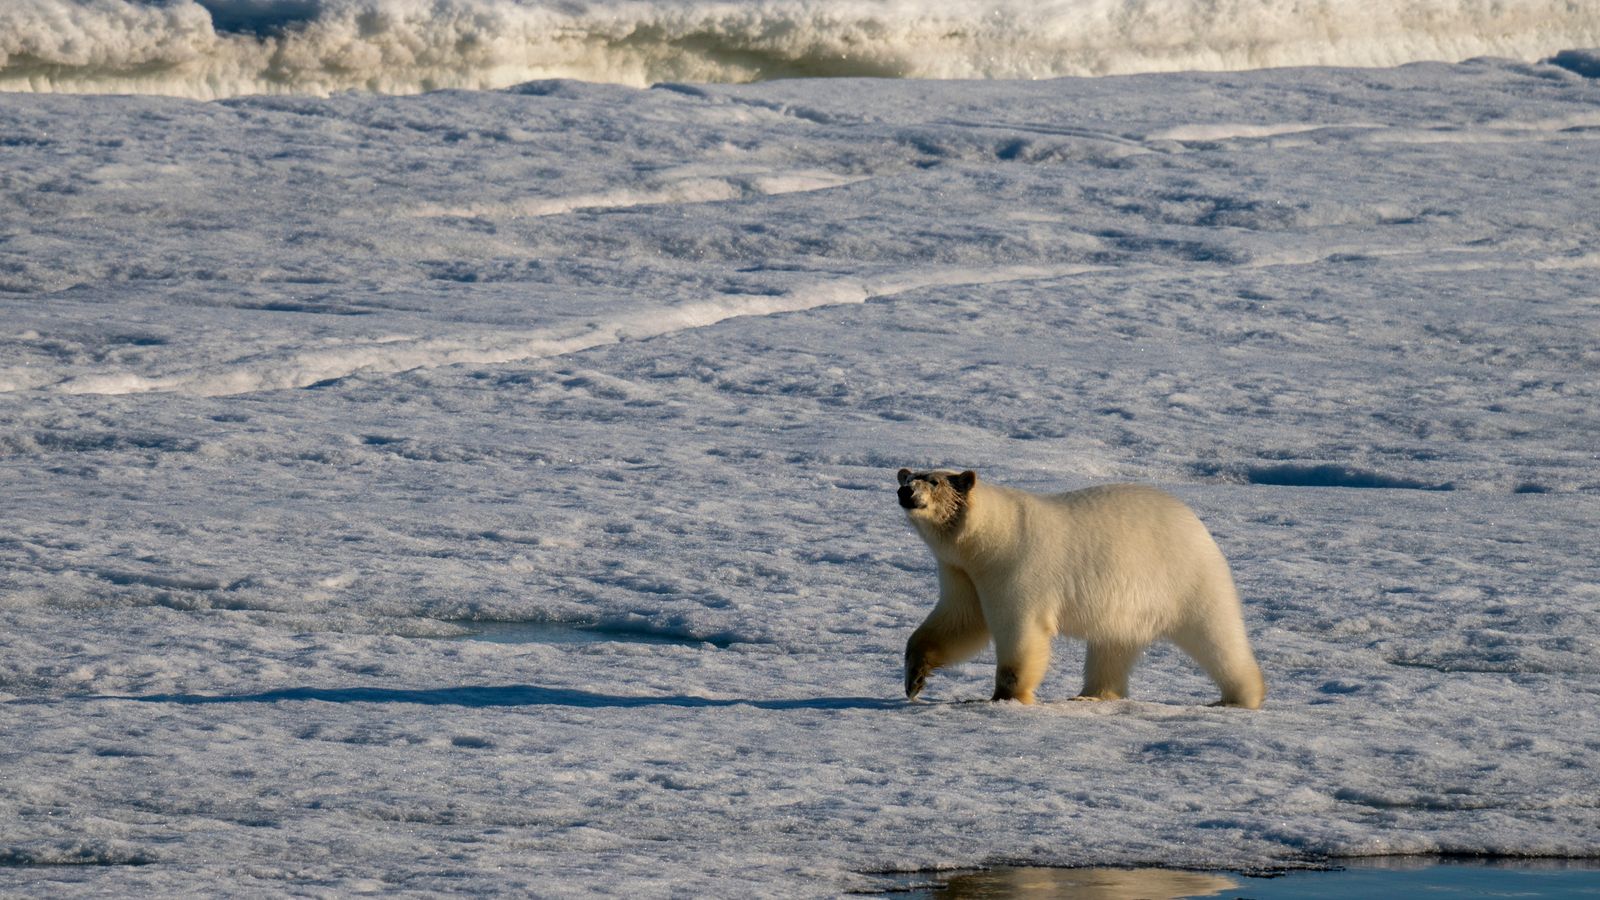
point(290, 387)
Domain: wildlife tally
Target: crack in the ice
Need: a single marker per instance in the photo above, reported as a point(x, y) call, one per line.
point(313, 368)
point(701, 189)
point(1319, 475)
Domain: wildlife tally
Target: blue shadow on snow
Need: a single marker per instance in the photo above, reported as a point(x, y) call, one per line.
point(508, 695)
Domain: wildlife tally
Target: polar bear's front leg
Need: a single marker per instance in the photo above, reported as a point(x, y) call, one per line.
point(1022, 654)
point(954, 630)
point(1105, 671)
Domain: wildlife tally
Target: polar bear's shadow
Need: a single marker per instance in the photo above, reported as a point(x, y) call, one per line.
point(483, 696)
point(522, 695)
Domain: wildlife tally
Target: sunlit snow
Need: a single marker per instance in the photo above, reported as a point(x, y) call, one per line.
point(294, 391)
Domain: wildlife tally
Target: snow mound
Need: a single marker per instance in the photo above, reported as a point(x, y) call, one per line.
point(218, 48)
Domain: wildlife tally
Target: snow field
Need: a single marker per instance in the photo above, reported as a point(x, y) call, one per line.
point(297, 389)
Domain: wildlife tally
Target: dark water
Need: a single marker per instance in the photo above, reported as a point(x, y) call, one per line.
point(571, 633)
point(1369, 878)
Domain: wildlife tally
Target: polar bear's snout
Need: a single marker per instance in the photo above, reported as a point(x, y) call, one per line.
point(937, 497)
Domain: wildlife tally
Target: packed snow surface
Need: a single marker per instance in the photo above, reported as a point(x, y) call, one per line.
point(293, 391)
point(221, 48)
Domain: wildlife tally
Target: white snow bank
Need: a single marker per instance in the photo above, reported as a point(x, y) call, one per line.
point(219, 48)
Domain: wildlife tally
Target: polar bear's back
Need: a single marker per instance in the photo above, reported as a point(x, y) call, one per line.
point(1124, 560)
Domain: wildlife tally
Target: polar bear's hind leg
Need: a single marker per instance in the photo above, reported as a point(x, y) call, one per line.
point(1223, 651)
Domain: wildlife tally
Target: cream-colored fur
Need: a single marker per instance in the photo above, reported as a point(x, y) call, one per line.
point(1117, 566)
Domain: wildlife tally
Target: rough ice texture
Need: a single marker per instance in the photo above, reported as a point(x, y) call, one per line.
point(292, 387)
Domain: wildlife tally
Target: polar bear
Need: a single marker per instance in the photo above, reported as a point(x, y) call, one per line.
point(1117, 566)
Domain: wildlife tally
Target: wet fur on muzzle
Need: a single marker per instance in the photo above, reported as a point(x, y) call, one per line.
point(938, 496)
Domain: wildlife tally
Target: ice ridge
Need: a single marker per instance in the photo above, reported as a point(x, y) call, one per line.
point(220, 48)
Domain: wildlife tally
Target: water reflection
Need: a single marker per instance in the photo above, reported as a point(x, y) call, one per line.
point(1406, 876)
point(1084, 884)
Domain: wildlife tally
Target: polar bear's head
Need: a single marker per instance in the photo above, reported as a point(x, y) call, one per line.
point(936, 498)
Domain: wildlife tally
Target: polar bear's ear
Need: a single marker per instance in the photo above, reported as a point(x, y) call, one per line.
point(964, 481)
point(904, 475)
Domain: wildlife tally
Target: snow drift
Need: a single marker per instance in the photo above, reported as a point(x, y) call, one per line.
point(218, 48)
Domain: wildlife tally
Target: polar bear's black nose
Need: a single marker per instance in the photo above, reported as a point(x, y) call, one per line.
point(907, 497)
